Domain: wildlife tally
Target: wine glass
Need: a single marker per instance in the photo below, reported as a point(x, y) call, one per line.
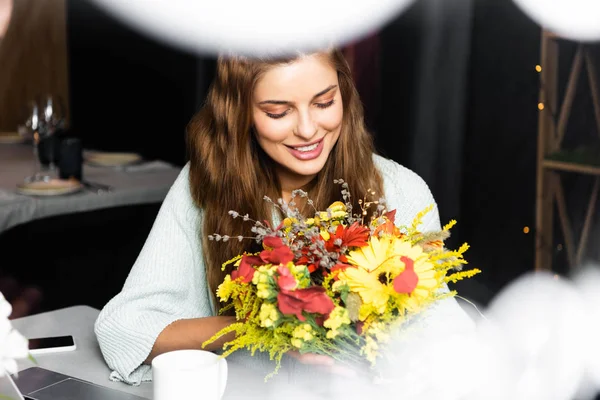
point(45, 122)
point(50, 124)
point(32, 124)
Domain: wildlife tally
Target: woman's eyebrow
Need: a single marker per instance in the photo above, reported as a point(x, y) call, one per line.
point(322, 92)
point(283, 102)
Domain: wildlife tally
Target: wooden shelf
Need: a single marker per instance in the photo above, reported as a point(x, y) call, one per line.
point(583, 160)
point(571, 167)
point(553, 157)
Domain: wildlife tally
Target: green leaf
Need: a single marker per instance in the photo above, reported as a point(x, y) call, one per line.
point(344, 290)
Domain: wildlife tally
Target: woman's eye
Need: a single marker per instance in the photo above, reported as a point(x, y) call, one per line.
point(277, 116)
point(286, 112)
point(325, 105)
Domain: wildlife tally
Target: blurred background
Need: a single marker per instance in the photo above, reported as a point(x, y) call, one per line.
point(469, 94)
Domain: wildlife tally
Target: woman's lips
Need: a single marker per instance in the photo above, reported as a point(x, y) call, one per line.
point(307, 152)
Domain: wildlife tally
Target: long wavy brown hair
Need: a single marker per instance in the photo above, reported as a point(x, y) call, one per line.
point(229, 170)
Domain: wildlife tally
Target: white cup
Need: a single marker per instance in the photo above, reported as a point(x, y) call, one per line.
point(189, 374)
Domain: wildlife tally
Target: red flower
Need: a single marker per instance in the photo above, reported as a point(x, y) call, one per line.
point(286, 280)
point(407, 281)
point(280, 253)
point(313, 264)
point(303, 260)
point(355, 235)
point(273, 242)
point(246, 268)
point(311, 300)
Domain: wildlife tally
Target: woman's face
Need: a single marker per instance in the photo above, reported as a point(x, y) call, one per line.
point(6, 7)
point(297, 113)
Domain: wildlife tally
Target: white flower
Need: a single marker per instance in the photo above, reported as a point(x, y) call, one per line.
point(13, 345)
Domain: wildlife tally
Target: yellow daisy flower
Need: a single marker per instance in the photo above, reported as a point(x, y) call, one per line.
point(384, 252)
point(379, 263)
point(368, 286)
point(429, 282)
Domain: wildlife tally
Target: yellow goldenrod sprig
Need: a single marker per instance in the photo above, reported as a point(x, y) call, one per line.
point(232, 261)
point(458, 276)
point(449, 225)
point(418, 220)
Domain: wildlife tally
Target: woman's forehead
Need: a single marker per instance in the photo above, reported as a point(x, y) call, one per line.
point(296, 80)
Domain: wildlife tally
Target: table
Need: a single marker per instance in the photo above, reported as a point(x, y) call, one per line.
point(87, 363)
point(84, 363)
point(143, 184)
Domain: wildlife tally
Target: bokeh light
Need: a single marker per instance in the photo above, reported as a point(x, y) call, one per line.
point(260, 27)
point(573, 19)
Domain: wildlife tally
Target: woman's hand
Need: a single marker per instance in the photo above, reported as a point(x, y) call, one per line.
point(324, 362)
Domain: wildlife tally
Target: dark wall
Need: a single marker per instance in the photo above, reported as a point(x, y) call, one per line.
point(401, 41)
point(495, 173)
point(501, 141)
point(128, 92)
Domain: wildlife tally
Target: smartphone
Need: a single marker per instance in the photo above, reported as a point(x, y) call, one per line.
point(53, 344)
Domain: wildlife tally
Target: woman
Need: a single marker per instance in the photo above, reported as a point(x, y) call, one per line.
point(267, 128)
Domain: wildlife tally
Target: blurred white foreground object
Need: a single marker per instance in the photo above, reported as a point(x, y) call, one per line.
point(535, 340)
point(588, 285)
point(13, 345)
point(573, 19)
point(259, 27)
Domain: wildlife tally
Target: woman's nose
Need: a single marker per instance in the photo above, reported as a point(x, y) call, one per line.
point(306, 127)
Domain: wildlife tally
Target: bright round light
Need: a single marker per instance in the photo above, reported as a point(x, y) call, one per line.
point(539, 326)
point(587, 284)
point(573, 19)
point(258, 27)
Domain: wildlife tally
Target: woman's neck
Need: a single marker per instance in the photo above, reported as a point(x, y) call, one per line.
point(291, 182)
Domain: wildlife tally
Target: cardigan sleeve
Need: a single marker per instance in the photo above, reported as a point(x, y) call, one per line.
point(166, 283)
point(408, 194)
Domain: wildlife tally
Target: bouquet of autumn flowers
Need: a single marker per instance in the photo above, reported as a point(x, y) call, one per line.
point(334, 284)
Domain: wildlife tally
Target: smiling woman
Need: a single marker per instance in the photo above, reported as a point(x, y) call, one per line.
point(300, 128)
point(272, 111)
point(268, 128)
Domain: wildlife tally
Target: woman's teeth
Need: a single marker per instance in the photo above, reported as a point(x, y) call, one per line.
point(307, 148)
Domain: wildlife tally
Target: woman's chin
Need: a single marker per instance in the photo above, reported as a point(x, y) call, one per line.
point(308, 168)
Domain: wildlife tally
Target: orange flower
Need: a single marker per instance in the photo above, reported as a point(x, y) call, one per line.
point(388, 227)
